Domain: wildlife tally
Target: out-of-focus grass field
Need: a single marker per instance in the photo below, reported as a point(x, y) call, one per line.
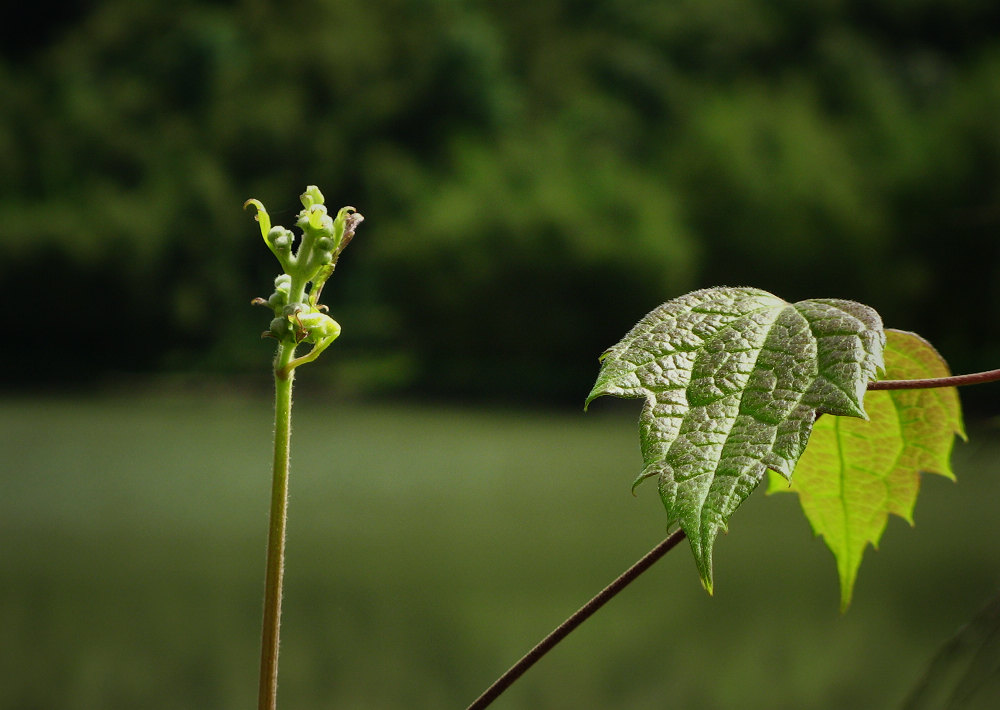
point(428, 549)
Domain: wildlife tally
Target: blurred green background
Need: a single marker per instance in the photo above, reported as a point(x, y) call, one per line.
point(535, 176)
point(428, 549)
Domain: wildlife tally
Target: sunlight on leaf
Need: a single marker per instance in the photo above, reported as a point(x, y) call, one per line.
point(855, 473)
point(733, 379)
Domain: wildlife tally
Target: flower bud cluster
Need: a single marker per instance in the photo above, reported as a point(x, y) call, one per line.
point(298, 317)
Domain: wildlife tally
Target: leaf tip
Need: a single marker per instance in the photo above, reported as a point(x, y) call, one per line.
point(705, 573)
point(706, 576)
point(778, 482)
point(646, 473)
point(846, 592)
point(703, 560)
point(847, 570)
point(598, 391)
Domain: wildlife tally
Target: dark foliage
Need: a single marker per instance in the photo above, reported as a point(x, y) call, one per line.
point(535, 176)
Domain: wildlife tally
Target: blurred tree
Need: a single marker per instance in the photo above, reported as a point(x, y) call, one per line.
point(535, 175)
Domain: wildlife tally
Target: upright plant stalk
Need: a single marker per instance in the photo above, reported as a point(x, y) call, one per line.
point(267, 698)
point(298, 318)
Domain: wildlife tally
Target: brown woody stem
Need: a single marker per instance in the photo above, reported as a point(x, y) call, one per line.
point(582, 614)
point(976, 378)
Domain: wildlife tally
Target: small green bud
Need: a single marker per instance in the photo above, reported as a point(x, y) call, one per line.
point(281, 238)
point(315, 218)
point(293, 308)
point(320, 220)
point(277, 300)
point(324, 244)
point(280, 328)
point(312, 196)
point(283, 283)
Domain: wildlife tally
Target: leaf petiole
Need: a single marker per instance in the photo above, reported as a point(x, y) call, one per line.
point(975, 378)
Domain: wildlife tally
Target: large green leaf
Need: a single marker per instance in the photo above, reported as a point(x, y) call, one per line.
point(733, 379)
point(855, 473)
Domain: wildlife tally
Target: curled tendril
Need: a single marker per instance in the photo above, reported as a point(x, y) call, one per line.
point(263, 219)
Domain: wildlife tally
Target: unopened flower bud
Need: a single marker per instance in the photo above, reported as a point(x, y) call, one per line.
point(319, 219)
point(283, 283)
point(312, 196)
point(277, 300)
point(281, 238)
point(280, 328)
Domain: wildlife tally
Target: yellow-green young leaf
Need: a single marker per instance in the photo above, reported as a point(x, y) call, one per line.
point(854, 473)
point(733, 379)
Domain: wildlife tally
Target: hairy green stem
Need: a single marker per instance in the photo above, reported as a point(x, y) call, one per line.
point(283, 379)
point(582, 614)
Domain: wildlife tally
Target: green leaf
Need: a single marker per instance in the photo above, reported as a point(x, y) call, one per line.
point(733, 379)
point(855, 473)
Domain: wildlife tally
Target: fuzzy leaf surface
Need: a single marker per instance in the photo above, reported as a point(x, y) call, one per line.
point(855, 473)
point(733, 379)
